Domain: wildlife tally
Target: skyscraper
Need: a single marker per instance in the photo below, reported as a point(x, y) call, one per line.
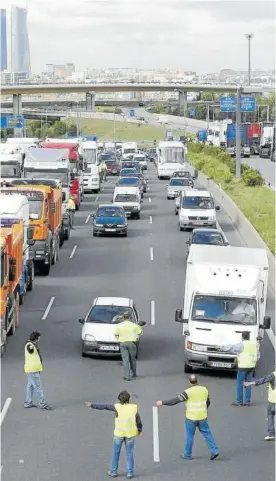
point(3, 27)
point(18, 41)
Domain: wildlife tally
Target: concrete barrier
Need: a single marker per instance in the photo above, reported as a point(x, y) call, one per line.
point(250, 236)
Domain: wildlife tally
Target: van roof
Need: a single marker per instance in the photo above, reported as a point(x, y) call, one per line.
point(197, 193)
point(232, 256)
point(113, 301)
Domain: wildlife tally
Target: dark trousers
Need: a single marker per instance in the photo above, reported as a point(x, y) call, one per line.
point(128, 353)
point(271, 419)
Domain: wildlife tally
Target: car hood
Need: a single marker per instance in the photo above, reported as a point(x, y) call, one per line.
point(109, 220)
point(219, 334)
point(101, 332)
point(199, 212)
point(176, 188)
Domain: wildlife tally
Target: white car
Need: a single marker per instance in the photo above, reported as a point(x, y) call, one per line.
point(197, 209)
point(175, 186)
point(130, 199)
point(100, 323)
point(141, 158)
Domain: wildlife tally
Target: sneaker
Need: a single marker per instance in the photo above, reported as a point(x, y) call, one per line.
point(214, 456)
point(237, 404)
point(185, 457)
point(270, 437)
point(129, 476)
point(248, 405)
point(27, 406)
point(112, 475)
point(47, 408)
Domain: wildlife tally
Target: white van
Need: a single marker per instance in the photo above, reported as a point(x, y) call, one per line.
point(170, 158)
point(89, 151)
point(130, 199)
point(197, 209)
point(129, 149)
point(91, 179)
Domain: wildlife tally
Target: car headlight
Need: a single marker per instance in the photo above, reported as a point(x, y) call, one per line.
point(183, 217)
point(135, 208)
point(90, 338)
point(196, 347)
point(121, 225)
point(213, 218)
point(98, 225)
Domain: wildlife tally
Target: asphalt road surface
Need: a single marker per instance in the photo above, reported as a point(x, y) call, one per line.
point(266, 168)
point(73, 443)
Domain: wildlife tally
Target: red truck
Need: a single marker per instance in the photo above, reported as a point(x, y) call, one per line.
point(76, 167)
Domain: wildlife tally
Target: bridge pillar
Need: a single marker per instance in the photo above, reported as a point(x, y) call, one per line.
point(17, 110)
point(90, 102)
point(182, 103)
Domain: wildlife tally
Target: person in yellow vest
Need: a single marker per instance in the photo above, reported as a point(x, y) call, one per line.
point(102, 170)
point(247, 357)
point(197, 401)
point(71, 207)
point(33, 367)
point(127, 333)
point(271, 379)
point(128, 425)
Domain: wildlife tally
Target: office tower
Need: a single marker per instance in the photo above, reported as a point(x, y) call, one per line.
point(18, 41)
point(3, 27)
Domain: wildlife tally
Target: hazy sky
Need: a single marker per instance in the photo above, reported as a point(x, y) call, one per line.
point(204, 36)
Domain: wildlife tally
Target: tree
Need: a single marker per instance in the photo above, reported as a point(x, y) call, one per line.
point(59, 128)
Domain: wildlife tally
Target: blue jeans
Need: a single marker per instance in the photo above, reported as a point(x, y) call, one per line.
point(205, 430)
point(241, 377)
point(117, 445)
point(34, 388)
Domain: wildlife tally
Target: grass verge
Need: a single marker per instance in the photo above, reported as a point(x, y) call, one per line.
point(256, 202)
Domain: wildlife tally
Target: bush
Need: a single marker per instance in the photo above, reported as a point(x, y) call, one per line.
point(252, 177)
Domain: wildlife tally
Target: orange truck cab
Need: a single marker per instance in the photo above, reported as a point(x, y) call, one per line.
point(11, 245)
point(46, 220)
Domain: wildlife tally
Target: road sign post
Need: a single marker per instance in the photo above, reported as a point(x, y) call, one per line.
point(238, 134)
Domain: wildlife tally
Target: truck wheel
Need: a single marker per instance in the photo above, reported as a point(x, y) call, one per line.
point(55, 255)
point(45, 269)
point(175, 212)
point(61, 238)
point(67, 234)
point(31, 279)
point(137, 216)
point(17, 319)
point(77, 207)
point(22, 297)
point(187, 368)
point(181, 228)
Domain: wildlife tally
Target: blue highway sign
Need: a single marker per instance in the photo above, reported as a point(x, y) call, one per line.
point(228, 104)
point(248, 103)
point(12, 122)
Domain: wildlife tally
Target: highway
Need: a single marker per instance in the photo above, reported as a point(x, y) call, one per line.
point(73, 443)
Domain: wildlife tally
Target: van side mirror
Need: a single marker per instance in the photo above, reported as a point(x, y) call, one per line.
point(191, 183)
point(217, 207)
point(53, 207)
point(12, 269)
point(63, 196)
point(81, 321)
point(267, 322)
point(178, 315)
point(30, 233)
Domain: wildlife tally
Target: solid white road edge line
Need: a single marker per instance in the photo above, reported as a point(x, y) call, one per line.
point(96, 199)
point(149, 199)
point(5, 410)
point(73, 251)
point(87, 219)
point(156, 455)
point(152, 313)
point(150, 219)
point(45, 315)
point(151, 253)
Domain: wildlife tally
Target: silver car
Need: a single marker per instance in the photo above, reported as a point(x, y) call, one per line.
point(176, 185)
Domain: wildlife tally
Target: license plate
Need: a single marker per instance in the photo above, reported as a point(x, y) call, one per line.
point(110, 230)
point(109, 348)
point(197, 222)
point(114, 171)
point(227, 365)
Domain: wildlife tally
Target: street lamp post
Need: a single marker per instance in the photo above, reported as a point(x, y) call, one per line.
point(249, 37)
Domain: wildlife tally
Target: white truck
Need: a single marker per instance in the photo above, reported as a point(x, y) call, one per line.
point(16, 206)
point(225, 295)
point(170, 158)
point(11, 166)
point(129, 149)
point(91, 179)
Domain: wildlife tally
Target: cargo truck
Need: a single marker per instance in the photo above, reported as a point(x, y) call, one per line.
point(11, 167)
point(46, 220)
point(11, 245)
point(14, 207)
point(225, 295)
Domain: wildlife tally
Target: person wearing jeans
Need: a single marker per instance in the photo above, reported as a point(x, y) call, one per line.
point(271, 380)
point(128, 425)
point(197, 401)
point(247, 356)
point(33, 367)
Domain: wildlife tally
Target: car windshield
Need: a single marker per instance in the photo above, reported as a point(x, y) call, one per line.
point(127, 171)
point(129, 151)
point(198, 203)
point(109, 314)
point(42, 174)
point(110, 162)
point(90, 156)
point(35, 208)
point(213, 238)
point(179, 182)
point(109, 212)
point(141, 158)
point(126, 198)
point(107, 156)
point(224, 309)
point(9, 170)
point(187, 175)
point(129, 180)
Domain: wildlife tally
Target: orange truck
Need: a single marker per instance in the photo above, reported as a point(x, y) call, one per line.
point(11, 244)
point(46, 220)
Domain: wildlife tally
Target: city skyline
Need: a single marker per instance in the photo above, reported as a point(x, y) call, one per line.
point(130, 33)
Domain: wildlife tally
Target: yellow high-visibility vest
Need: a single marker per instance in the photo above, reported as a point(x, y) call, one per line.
point(196, 405)
point(272, 392)
point(71, 204)
point(128, 331)
point(125, 422)
point(32, 361)
point(248, 357)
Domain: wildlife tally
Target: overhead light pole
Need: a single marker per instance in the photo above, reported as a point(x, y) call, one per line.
point(249, 37)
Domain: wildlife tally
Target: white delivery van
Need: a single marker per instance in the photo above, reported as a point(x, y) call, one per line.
point(196, 209)
point(130, 199)
point(89, 151)
point(129, 149)
point(91, 179)
point(170, 158)
point(225, 295)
